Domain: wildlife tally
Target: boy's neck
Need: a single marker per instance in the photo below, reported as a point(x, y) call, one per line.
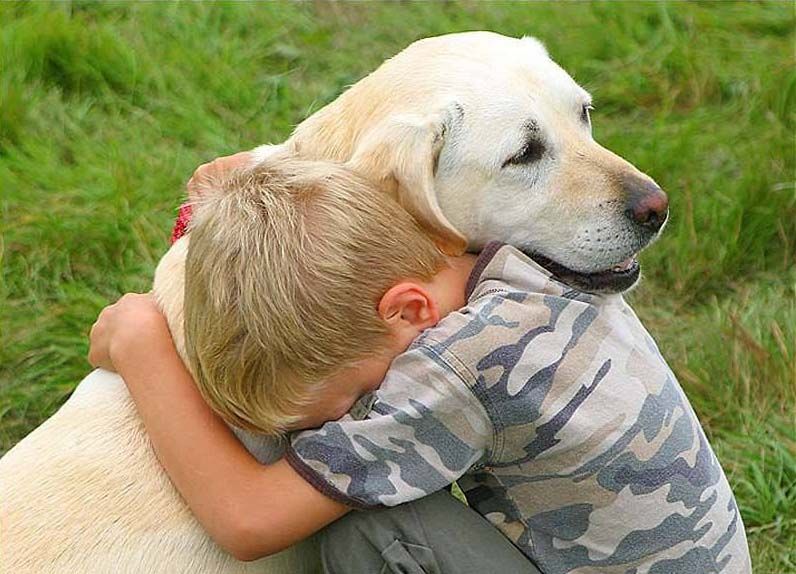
point(448, 286)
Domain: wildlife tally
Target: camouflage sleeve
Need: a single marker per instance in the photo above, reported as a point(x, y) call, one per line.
point(425, 429)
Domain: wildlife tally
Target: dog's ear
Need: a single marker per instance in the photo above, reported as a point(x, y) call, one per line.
point(401, 155)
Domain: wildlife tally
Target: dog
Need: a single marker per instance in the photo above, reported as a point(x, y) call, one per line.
point(478, 136)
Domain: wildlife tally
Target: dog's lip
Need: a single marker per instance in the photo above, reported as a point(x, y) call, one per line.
point(625, 265)
point(618, 278)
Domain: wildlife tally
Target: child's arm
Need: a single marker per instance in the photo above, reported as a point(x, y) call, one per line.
point(249, 509)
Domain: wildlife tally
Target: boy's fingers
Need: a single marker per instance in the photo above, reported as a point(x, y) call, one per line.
point(216, 170)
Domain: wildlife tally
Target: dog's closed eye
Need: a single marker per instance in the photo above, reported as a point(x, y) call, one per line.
point(585, 115)
point(532, 151)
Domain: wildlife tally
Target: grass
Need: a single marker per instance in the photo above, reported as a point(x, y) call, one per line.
point(106, 109)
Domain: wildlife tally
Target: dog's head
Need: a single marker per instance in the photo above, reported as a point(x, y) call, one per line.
point(484, 137)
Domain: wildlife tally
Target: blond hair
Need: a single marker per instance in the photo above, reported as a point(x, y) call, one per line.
point(286, 266)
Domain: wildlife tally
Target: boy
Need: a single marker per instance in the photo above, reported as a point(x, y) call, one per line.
point(552, 407)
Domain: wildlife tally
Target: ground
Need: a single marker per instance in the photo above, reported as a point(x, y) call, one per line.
point(106, 109)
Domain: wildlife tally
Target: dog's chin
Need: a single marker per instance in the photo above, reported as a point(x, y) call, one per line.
point(619, 278)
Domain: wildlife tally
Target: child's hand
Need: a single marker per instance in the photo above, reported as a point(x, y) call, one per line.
point(215, 170)
point(126, 329)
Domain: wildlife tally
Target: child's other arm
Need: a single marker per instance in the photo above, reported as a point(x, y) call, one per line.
point(249, 509)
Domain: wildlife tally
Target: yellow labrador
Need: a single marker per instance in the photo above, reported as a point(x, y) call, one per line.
point(480, 137)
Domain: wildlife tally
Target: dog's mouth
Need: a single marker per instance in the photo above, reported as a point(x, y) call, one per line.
point(618, 278)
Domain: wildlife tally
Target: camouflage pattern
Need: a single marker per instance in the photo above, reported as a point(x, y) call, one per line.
point(561, 421)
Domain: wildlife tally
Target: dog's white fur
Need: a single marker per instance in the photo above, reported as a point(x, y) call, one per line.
point(435, 127)
point(444, 116)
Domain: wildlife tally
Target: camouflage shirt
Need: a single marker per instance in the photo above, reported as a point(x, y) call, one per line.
point(561, 421)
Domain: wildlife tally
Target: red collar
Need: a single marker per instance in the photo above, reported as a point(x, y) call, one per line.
point(181, 223)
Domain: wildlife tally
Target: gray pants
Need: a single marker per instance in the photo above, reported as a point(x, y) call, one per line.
point(434, 535)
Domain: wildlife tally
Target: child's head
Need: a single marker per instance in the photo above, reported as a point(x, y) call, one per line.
point(287, 265)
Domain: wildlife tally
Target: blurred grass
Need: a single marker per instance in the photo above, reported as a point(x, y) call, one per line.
point(106, 109)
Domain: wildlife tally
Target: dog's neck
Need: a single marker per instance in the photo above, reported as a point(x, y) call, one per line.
point(168, 288)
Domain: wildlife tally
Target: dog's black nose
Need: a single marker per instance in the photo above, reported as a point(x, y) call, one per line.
point(646, 203)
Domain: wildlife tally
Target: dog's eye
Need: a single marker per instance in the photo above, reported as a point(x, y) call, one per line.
point(531, 152)
point(585, 115)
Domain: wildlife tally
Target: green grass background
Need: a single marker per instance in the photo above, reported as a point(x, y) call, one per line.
point(106, 109)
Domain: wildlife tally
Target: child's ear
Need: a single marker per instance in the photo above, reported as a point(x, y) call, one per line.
point(408, 306)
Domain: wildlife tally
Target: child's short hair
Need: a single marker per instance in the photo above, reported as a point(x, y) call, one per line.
point(286, 266)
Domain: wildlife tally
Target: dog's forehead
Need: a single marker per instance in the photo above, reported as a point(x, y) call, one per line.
point(531, 76)
point(509, 76)
point(500, 112)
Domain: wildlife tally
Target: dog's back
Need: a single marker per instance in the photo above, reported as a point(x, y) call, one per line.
point(85, 493)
